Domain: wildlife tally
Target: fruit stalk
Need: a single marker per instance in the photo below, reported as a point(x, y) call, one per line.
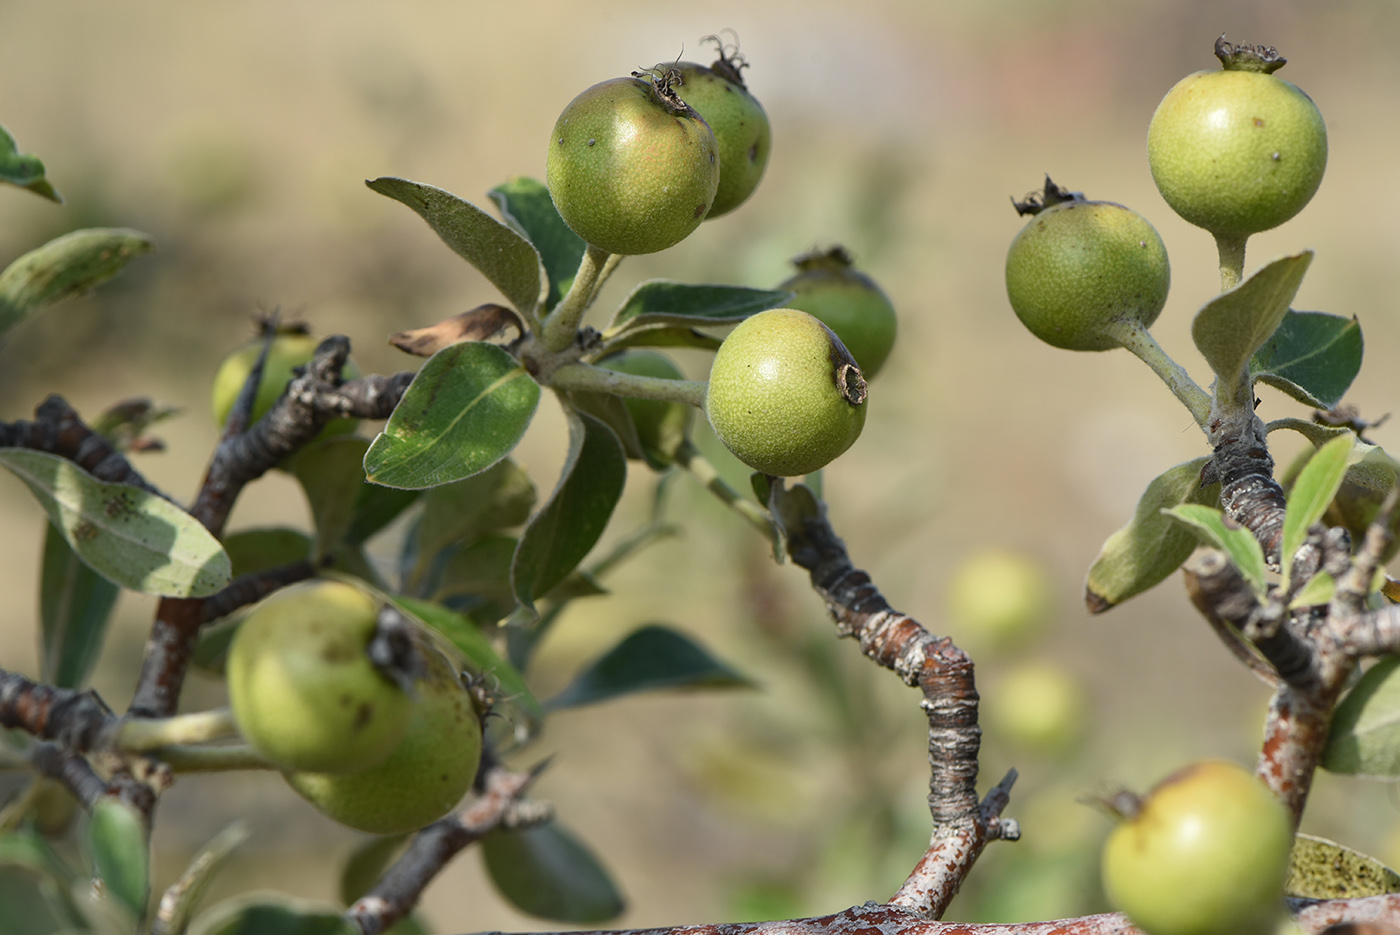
point(1231, 249)
point(690, 458)
point(600, 380)
point(1134, 336)
point(138, 735)
point(561, 325)
point(193, 758)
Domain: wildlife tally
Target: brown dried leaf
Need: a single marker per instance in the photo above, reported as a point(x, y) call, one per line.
point(478, 324)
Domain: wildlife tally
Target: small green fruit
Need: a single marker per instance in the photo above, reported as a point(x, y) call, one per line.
point(1040, 706)
point(631, 168)
point(848, 302)
point(301, 684)
point(1080, 268)
point(742, 131)
point(998, 598)
point(785, 396)
point(1236, 150)
point(424, 776)
point(661, 426)
point(1205, 853)
point(291, 348)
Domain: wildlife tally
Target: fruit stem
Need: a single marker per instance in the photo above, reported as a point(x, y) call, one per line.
point(136, 735)
point(690, 458)
point(183, 758)
point(1131, 333)
point(561, 325)
point(581, 376)
point(1231, 260)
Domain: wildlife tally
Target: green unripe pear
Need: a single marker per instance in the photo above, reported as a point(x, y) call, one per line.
point(424, 776)
point(631, 168)
point(742, 132)
point(785, 396)
point(848, 302)
point(1080, 268)
point(291, 348)
point(302, 686)
point(661, 426)
point(1038, 705)
point(998, 599)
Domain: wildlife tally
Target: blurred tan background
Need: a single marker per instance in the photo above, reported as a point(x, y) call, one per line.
point(239, 136)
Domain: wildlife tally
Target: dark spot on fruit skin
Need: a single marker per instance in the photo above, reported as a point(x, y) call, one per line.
point(753, 153)
point(591, 142)
point(701, 210)
point(1259, 121)
point(363, 716)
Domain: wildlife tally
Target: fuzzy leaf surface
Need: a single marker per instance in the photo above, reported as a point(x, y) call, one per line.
point(663, 302)
point(526, 206)
point(1235, 541)
point(75, 605)
point(1152, 545)
point(1235, 324)
point(23, 169)
point(653, 658)
point(567, 527)
point(504, 257)
point(1312, 357)
point(131, 537)
point(63, 267)
point(547, 872)
point(1323, 869)
point(1313, 490)
point(464, 411)
point(1365, 736)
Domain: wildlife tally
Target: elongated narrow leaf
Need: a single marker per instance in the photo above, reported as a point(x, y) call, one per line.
point(1312, 357)
point(1235, 324)
point(500, 253)
point(662, 336)
point(1235, 541)
point(67, 266)
point(179, 901)
point(331, 473)
point(1314, 489)
point(482, 657)
point(661, 301)
point(566, 528)
point(1365, 737)
point(23, 169)
point(75, 604)
point(549, 873)
point(525, 204)
point(254, 550)
point(1152, 545)
point(464, 411)
point(653, 658)
point(131, 537)
point(273, 914)
point(121, 852)
point(1323, 869)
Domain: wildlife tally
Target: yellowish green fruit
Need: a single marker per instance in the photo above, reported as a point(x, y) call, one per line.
point(828, 286)
point(1079, 268)
point(1204, 853)
point(631, 168)
point(424, 776)
point(1237, 150)
point(785, 396)
point(291, 348)
point(1038, 705)
point(998, 599)
point(301, 684)
point(743, 135)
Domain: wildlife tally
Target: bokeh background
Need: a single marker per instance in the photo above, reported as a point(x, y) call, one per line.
point(239, 135)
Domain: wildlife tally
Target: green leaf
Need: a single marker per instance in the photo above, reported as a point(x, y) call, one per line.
point(1235, 541)
point(75, 604)
point(503, 256)
point(654, 658)
point(1370, 475)
point(663, 302)
point(526, 206)
point(129, 536)
point(547, 872)
point(121, 852)
point(568, 526)
point(273, 914)
point(1365, 737)
point(23, 169)
point(1153, 545)
point(501, 497)
point(375, 508)
point(476, 578)
point(35, 902)
point(331, 473)
point(662, 336)
point(67, 266)
point(1314, 489)
point(1323, 869)
point(254, 550)
point(482, 657)
point(1313, 357)
point(367, 864)
point(464, 411)
point(1319, 590)
point(178, 903)
point(1235, 324)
